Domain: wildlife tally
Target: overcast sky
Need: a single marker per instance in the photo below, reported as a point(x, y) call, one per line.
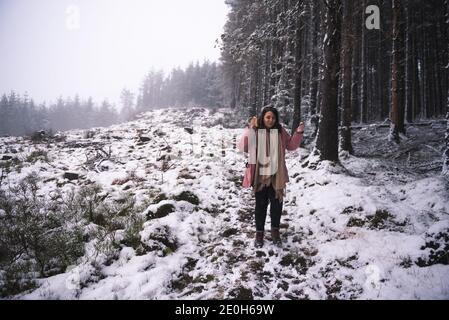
point(97, 47)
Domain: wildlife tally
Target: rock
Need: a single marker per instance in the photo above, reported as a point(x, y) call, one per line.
point(229, 232)
point(241, 293)
point(187, 196)
point(159, 133)
point(71, 175)
point(162, 211)
point(38, 135)
point(6, 157)
point(160, 197)
point(144, 139)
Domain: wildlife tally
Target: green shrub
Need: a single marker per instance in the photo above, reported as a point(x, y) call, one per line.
point(37, 155)
point(43, 236)
point(35, 236)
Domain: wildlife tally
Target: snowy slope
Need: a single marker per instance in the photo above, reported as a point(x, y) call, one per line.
point(366, 230)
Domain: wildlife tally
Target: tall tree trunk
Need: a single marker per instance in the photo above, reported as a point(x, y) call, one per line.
point(415, 81)
point(266, 89)
point(306, 66)
point(314, 73)
point(356, 67)
point(346, 117)
point(327, 139)
point(387, 47)
point(397, 86)
point(363, 73)
point(321, 33)
point(380, 103)
point(298, 74)
point(409, 66)
point(446, 153)
point(274, 57)
point(446, 51)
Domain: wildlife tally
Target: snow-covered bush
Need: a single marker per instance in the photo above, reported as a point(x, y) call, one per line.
point(35, 236)
point(117, 222)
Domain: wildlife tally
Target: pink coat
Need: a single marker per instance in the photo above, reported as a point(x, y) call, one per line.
point(288, 142)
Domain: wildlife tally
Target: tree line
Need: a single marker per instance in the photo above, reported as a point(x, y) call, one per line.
point(20, 115)
point(196, 85)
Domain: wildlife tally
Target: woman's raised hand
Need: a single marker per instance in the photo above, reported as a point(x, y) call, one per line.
point(300, 128)
point(253, 123)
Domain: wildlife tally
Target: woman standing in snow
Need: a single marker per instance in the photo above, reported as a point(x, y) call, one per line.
point(266, 141)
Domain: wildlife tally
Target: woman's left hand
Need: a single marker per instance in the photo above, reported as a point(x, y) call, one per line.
point(300, 128)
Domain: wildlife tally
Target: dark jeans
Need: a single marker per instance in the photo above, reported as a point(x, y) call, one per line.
point(262, 198)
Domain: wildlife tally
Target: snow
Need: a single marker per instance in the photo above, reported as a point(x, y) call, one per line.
point(322, 257)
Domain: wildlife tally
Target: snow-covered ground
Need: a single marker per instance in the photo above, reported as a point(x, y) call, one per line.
point(376, 227)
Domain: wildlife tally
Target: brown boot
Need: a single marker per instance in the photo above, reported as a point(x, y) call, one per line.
point(258, 243)
point(275, 236)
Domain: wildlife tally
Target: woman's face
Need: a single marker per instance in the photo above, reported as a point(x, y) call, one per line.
point(269, 119)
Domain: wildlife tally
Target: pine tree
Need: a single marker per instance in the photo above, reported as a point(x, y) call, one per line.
point(127, 100)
